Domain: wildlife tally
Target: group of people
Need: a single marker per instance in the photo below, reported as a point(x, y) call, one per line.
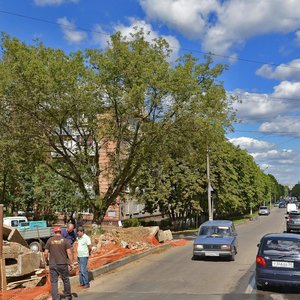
point(60, 255)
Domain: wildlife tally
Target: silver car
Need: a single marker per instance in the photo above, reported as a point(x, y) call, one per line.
point(264, 210)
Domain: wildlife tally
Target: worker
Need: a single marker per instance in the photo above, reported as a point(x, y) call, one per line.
point(60, 263)
point(83, 252)
point(69, 233)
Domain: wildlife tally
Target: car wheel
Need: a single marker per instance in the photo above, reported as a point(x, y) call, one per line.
point(259, 287)
point(232, 257)
point(35, 247)
point(194, 257)
point(288, 230)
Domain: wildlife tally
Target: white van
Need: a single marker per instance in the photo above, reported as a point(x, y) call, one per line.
point(291, 207)
point(14, 221)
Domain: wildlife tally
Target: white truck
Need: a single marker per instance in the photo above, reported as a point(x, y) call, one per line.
point(36, 233)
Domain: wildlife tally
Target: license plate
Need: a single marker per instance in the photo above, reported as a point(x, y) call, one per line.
point(211, 254)
point(283, 264)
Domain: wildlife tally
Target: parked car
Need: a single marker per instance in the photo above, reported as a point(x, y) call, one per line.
point(278, 260)
point(217, 238)
point(293, 221)
point(263, 210)
point(291, 207)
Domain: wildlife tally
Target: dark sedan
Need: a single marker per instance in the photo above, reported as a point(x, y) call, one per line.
point(278, 260)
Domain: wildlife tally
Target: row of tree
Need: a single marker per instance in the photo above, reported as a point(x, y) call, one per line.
point(60, 112)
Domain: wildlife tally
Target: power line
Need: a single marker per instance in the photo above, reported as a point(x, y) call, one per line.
point(184, 49)
point(51, 22)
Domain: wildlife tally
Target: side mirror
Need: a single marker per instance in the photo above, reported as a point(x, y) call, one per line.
point(286, 218)
point(258, 245)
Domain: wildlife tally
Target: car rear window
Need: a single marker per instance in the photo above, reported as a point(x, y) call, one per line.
point(281, 247)
point(263, 207)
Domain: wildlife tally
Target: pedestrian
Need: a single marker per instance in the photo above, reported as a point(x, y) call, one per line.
point(60, 263)
point(69, 233)
point(83, 252)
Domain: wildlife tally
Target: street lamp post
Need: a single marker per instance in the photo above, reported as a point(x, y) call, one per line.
point(209, 188)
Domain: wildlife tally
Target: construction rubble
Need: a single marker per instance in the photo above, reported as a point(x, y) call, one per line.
point(134, 238)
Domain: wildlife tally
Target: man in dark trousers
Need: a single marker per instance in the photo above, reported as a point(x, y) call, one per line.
point(61, 260)
point(69, 233)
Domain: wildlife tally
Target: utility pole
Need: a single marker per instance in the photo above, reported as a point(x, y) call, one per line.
point(209, 188)
point(2, 259)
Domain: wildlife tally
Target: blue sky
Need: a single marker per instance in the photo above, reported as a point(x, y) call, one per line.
point(258, 39)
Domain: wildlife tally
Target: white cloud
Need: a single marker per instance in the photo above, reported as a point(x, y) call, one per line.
point(221, 25)
point(282, 126)
point(282, 72)
point(72, 35)
point(100, 37)
point(134, 26)
point(298, 37)
point(287, 89)
point(53, 2)
point(257, 107)
point(251, 145)
point(261, 107)
point(275, 156)
point(189, 17)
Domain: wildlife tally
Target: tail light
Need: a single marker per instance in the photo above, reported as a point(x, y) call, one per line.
point(261, 261)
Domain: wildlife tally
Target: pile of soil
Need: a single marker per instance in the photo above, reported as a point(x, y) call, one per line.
point(134, 238)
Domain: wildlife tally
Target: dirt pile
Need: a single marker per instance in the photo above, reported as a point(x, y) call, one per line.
point(134, 238)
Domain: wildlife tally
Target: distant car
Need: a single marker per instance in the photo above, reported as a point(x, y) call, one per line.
point(263, 210)
point(276, 204)
point(216, 238)
point(282, 205)
point(293, 221)
point(278, 260)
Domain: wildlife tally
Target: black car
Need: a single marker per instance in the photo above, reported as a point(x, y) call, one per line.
point(278, 260)
point(293, 221)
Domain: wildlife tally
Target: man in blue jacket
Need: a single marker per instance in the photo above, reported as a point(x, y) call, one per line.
point(69, 233)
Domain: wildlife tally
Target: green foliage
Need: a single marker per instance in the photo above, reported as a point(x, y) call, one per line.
point(165, 224)
point(295, 192)
point(59, 113)
point(132, 222)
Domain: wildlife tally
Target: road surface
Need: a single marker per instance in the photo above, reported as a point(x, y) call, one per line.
point(172, 274)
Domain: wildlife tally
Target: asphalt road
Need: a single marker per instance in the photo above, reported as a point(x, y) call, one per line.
point(172, 274)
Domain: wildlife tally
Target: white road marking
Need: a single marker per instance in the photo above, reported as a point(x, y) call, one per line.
point(250, 287)
point(277, 297)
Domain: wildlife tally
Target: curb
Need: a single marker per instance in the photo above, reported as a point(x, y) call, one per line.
point(118, 263)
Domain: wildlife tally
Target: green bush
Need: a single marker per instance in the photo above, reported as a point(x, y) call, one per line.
point(149, 223)
point(133, 222)
point(166, 224)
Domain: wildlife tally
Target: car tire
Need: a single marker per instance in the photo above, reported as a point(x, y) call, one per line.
point(194, 257)
point(232, 256)
point(259, 287)
point(288, 230)
point(35, 246)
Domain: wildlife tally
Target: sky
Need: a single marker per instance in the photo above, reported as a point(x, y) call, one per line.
point(259, 40)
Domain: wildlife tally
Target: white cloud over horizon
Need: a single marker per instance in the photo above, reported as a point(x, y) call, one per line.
point(72, 35)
